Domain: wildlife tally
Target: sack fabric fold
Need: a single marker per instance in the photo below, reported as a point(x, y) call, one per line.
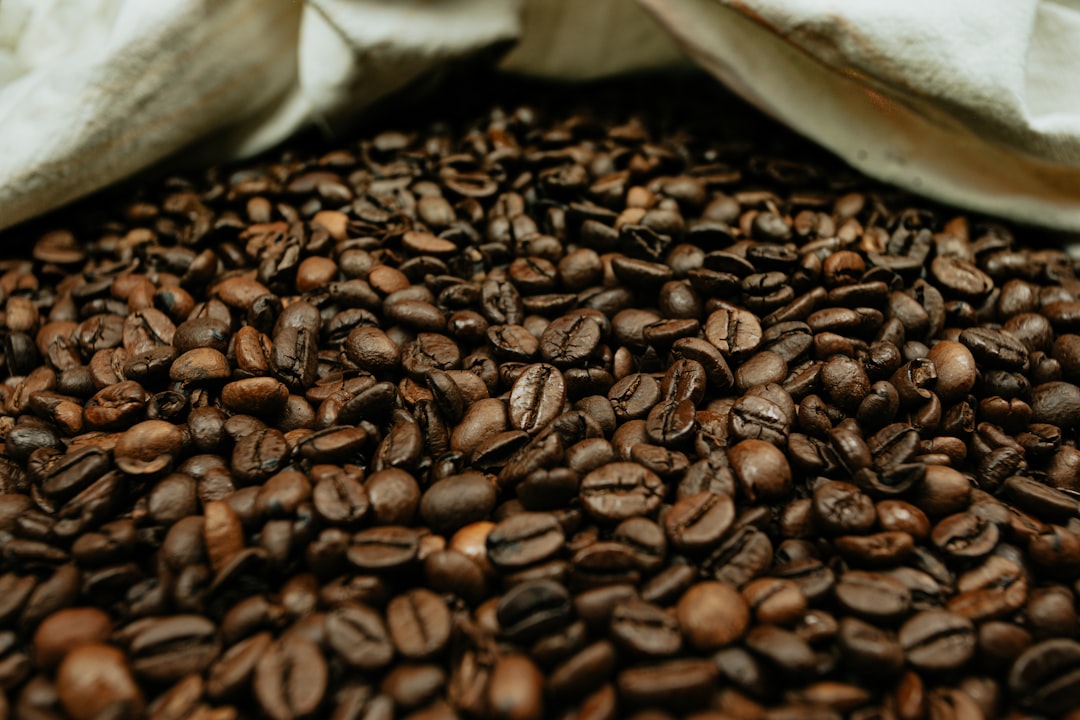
point(973, 107)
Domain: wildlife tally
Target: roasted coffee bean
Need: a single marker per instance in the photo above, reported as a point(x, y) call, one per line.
point(873, 595)
point(1044, 676)
point(340, 498)
point(291, 678)
point(744, 555)
point(552, 416)
point(524, 539)
point(359, 635)
point(570, 340)
point(384, 548)
point(621, 490)
point(634, 396)
point(536, 398)
point(995, 348)
point(841, 508)
point(938, 640)
point(644, 629)
point(419, 624)
point(774, 600)
point(783, 648)
point(394, 495)
point(733, 332)
point(868, 649)
point(516, 688)
point(682, 684)
point(65, 630)
point(697, 522)
point(762, 470)
point(965, 535)
point(712, 614)
point(166, 649)
point(94, 680)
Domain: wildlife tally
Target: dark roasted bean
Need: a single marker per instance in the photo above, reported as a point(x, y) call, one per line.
point(550, 416)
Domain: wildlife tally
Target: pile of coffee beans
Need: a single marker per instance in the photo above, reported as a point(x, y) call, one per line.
point(548, 416)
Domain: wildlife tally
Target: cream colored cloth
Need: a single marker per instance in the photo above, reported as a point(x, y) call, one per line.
point(973, 107)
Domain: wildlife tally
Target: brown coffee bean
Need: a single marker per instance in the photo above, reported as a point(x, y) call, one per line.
point(148, 448)
point(536, 398)
point(869, 649)
point(733, 332)
point(291, 678)
point(168, 648)
point(712, 614)
point(841, 508)
point(697, 522)
point(1044, 676)
point(872, 595)
point(621, 490)
point(384, 548)
point(524, 539)
point(419, 624)
point(67, 629)
point(94, 681)
point(938, 640)
point(394, 495)
point(677, 684)
point(762, 470)
point(774, 600)
point(255, 396)
point(956, 370)
point(515, 690)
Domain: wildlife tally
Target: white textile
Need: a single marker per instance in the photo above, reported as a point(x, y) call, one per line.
point(973, 106)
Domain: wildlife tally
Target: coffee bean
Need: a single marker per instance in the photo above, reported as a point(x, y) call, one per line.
point(752, 417)
point(94, 681)
point(520, 420)
point(960, 278)
point(569, 341)
point(677, 684)
point(868, 649)
point(291, 678)
point(255, 396)
point(955, 367)
point(1056, 403)
point(359, 635)
point(148, 448)
point(712, 614)
point(841, 508)
point(965, 535)
point(236, 666)
point(524, 539)
point(873, 595)
point(1044, 676)
point(644, 629)
point(744, 555)
point(938, 640)
point(633, 396)
point(515, 689)
point(783, 648)
point(340, 498)
point(621, 490)
point(419, 624)
point(65, 630)
point(995, 348)
point(166, 649)
point(537, 397)
point(762, 470)
point(382, 548)
point(394, 495)
point(733, 332)
point(697, 522)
